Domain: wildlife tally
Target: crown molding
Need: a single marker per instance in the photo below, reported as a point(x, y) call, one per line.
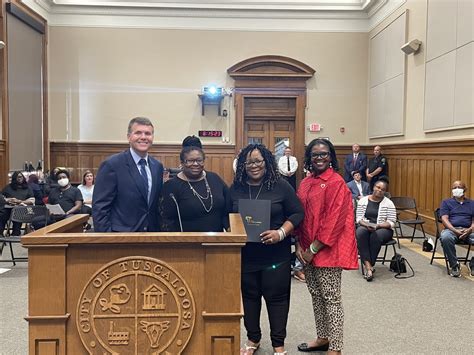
point(243, 15)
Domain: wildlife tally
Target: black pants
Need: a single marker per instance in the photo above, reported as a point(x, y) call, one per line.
point(4, 217)
point(273, 284)
point(291, 180)
point(369, 243)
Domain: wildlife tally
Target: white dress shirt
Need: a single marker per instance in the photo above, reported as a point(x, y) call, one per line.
point(283, 165)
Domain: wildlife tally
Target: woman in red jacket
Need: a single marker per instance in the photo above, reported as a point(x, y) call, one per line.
point(326, 243)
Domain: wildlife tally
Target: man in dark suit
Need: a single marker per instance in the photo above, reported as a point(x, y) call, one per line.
point(357, 161)
point(358, 187)
point(128, 185)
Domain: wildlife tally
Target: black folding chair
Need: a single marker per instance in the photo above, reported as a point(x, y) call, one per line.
point(438, 222)
point(27, 215)
point(407, 204)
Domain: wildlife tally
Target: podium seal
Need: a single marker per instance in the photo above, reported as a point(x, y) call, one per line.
point(136, 305)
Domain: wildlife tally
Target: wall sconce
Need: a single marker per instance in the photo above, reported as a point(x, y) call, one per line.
point(411, 47)
point(2, 44)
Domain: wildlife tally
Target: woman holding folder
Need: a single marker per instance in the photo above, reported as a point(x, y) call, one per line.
point(266, 263)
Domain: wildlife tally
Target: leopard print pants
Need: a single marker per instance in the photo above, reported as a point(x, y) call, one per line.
point(324, 285)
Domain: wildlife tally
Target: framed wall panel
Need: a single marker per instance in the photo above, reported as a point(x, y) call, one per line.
point(387, 80)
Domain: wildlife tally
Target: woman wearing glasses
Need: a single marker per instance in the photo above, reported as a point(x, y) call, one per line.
point(266, 265)
point(326, 243)
point(196, 200)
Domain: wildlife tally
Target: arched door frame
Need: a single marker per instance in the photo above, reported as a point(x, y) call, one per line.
point(276, 77)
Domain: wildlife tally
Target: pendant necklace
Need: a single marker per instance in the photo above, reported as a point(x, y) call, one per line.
point(258, 193)
point(202, 198)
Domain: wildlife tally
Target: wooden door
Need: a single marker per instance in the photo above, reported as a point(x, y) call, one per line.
point(275, 135)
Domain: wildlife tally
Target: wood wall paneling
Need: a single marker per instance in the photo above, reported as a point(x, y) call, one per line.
point(79, 157)
point(424, 171)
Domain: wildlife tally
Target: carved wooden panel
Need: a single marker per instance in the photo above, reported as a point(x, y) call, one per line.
point(269, 107)
point(79, 157)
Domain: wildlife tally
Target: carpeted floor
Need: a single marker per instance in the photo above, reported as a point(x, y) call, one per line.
point(430, 313)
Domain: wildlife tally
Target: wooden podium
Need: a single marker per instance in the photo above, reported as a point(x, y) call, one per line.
point(133, 293)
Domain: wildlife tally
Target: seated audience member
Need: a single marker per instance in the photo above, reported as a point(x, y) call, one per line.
point(66, 195)
point(376, 217)
point(87, 189)
point(51, 181)
point(358, 187)
point(457, 215)
point(196, 199)
point(287, 166)
point(16, 193)
point(33, 183)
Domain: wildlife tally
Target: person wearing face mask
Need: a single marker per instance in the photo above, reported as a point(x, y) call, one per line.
point(67, 196)
point(457, 215)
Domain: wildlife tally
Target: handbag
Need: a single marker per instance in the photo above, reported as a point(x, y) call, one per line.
point(398, 264)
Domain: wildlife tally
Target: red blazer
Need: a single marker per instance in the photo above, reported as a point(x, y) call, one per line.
point(329, 218)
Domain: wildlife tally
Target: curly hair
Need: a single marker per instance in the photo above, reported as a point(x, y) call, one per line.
point(332, 152)
point(271, 175)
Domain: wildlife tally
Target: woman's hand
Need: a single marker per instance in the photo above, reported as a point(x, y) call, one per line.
point(307, 256)
point(299, 253)
point(270, 237)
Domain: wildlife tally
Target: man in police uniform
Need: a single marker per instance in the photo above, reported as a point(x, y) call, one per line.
point(378, 167)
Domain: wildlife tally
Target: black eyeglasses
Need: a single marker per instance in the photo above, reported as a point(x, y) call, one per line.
point(249, 163)
point(321, 155)
point(194, 161)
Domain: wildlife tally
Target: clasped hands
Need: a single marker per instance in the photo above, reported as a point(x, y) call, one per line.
point(305, 256)
point(462, 233)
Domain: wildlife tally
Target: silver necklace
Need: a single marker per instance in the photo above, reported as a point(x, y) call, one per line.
point(202, 198)
point(258, 193)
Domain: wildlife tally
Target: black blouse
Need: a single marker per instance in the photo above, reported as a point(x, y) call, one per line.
point(285, 206)
point(192, 207)
point(20, 194)
point(372, 211)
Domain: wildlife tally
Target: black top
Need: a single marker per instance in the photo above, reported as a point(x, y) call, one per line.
point(66, 199)
point(378, 162)
point(372, 211)
point(285, 206)
point(20, 194)
point(192, 208)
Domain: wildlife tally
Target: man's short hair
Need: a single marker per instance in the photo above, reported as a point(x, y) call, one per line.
point(141, 121)
point(63, 171)
point(355, 172)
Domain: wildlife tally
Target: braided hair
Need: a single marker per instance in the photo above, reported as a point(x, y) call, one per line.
point(332, 153)
point(271, 175)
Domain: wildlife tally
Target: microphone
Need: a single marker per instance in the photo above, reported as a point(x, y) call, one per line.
point(177, 209)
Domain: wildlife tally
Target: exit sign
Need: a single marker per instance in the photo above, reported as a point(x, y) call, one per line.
point(314, 127)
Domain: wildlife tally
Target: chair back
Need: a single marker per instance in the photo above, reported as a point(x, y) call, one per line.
point(437, 221)
point(29, 214)
point(404, 203)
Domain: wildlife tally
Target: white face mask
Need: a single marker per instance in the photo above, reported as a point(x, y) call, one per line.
point(458, 192)
point(63, 182)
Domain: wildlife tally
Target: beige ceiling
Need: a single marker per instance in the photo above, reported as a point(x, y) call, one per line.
point(296, 15)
